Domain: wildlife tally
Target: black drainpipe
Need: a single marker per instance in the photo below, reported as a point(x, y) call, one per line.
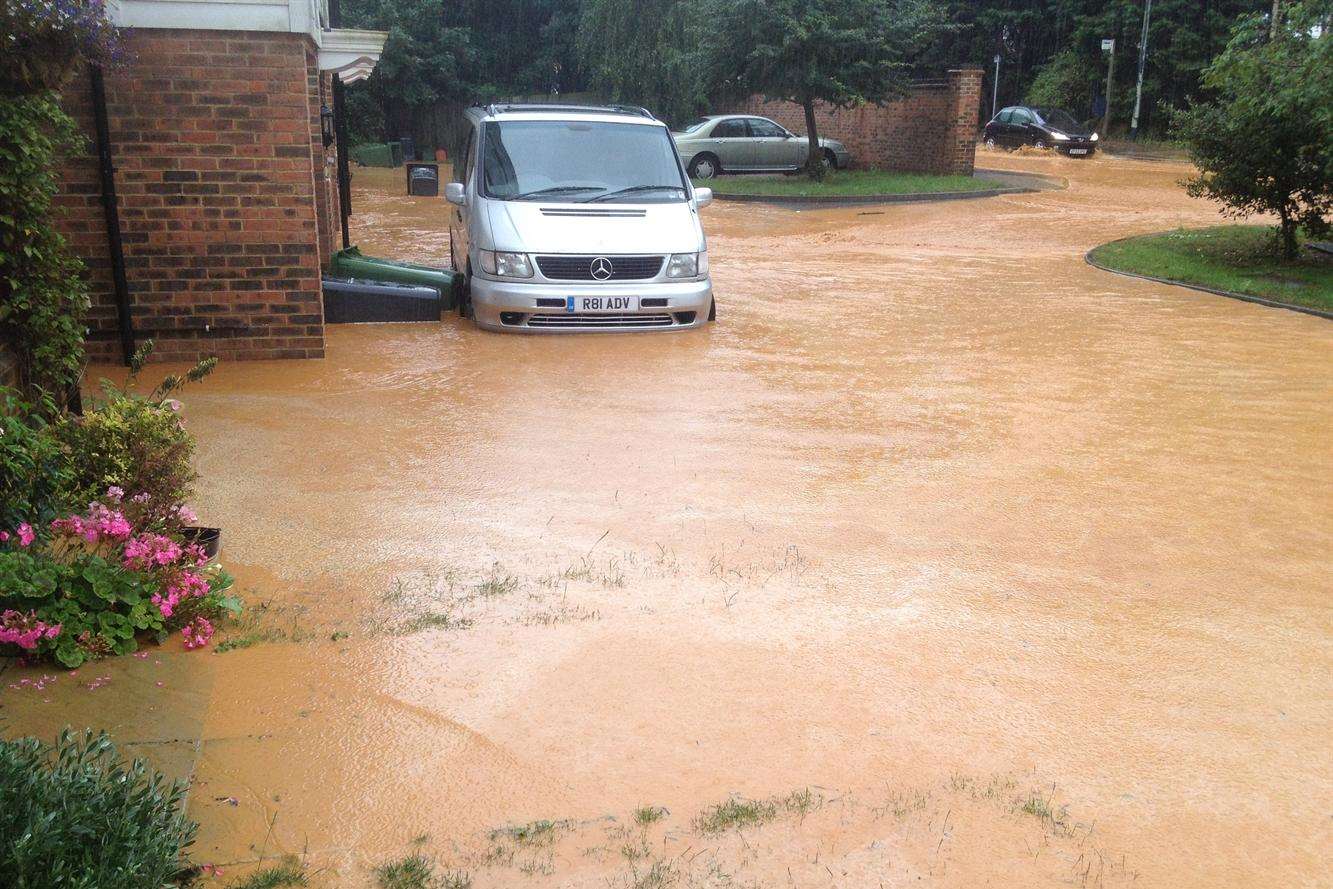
point(110, 207)
point(340, 136)
point(344, 175)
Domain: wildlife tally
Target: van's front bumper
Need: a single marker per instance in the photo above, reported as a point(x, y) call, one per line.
point(526, 307)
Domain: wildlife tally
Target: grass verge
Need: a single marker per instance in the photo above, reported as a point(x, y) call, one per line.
point(1237, 258)
point(845, 183)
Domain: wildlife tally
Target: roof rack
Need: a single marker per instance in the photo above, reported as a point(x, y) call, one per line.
point(501, 107)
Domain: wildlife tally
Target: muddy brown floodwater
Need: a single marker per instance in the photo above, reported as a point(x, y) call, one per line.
point(974, 565)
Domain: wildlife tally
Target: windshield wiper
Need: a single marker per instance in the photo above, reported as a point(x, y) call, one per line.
point(631, 190)
point(553, 190)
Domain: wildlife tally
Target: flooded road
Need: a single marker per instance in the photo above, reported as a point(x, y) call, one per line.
point(1020, 569)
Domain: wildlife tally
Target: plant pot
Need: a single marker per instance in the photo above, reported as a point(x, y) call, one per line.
point(210, 539)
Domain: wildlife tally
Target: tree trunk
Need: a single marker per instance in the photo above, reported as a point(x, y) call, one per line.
point(1286, 232)
point(814, 162)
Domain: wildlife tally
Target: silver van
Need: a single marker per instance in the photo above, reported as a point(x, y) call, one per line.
point(577, 218)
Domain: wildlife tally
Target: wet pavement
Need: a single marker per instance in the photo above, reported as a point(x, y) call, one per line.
point(1021, 568)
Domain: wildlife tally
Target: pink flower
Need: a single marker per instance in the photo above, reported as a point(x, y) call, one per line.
point(4, 536)
point(115, 494)
point(197, 633)
point(26, 534)
point(25, 630)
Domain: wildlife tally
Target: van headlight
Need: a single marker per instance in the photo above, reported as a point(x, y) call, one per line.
point(505, 265)
point(687, 265)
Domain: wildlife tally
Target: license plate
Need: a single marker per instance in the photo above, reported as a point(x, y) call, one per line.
point(1078, 151)
point(593, 304)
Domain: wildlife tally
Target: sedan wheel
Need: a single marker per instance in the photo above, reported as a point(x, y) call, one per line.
point(1040, 143)
point(704, 167)
point(990, 142)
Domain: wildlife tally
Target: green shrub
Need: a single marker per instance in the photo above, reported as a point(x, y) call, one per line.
point(33, 472)
point(1264, 144)
point(375, 154)
point(75, 816)
point(133, 442)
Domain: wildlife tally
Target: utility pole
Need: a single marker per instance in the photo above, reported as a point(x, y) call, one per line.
point(1273, 20)
point(995, 87)
point(1143, 60)
point(1110, 81)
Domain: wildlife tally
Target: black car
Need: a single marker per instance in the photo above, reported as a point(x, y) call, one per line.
point(1043, 127)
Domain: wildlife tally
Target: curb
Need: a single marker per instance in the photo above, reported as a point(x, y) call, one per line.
point(1036, 182)
point(1243, 297)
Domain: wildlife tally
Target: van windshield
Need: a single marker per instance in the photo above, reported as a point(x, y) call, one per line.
point(580, 160)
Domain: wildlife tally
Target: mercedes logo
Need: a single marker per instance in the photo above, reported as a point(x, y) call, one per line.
point(601, 268)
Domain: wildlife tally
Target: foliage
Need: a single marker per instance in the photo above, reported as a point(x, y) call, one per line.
point(645, 54)
point(1236, 258)
point(42, 39)
point(87, 585)
point(841, 52)
point(444, 55)
point(289, 873)
point(1066, 81)
point(75, 815)
point(1183, 36)
point(33, 470)
point(42, 296)
point(132, 442)
point(1265, 145)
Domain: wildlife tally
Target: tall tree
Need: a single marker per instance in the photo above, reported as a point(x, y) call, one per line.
point(841, 52)
point(1265, 144)
point(645, 53)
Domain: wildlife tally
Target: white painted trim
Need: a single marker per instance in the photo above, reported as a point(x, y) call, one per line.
point(351, 53)
point(307, 17)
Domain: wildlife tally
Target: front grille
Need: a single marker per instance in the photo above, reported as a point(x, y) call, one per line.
point(580, 268)
point(574, 319)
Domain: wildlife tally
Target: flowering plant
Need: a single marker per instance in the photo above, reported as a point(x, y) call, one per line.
point(90, 584)
point(41, 39)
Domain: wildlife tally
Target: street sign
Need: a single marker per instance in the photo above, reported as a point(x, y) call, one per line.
point(1108, 46)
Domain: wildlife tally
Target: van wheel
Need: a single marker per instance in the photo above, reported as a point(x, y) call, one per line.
point(712, 309)
point(705, 166)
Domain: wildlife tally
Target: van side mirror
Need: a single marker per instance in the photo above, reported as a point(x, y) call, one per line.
point(703, 197)
point(455, 193)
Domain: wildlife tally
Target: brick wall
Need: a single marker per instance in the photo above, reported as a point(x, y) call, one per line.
point(930, 130)
point(219, 170)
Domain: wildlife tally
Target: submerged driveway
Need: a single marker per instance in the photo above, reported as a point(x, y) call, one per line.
point(1021, 568)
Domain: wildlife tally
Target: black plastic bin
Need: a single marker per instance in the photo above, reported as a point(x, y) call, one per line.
point(423, 180)
point(352, 301)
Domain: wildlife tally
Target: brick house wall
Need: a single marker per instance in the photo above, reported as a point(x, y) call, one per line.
point(224, 205)
point(933, 129)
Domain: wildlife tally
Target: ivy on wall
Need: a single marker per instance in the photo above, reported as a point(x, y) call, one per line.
point(43, 296)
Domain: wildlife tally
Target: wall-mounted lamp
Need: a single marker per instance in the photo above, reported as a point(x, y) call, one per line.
point(326, 124)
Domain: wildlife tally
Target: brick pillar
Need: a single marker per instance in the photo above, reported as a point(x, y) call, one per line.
point(960, 143)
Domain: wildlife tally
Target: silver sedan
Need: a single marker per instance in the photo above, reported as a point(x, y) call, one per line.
point(739, 143)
